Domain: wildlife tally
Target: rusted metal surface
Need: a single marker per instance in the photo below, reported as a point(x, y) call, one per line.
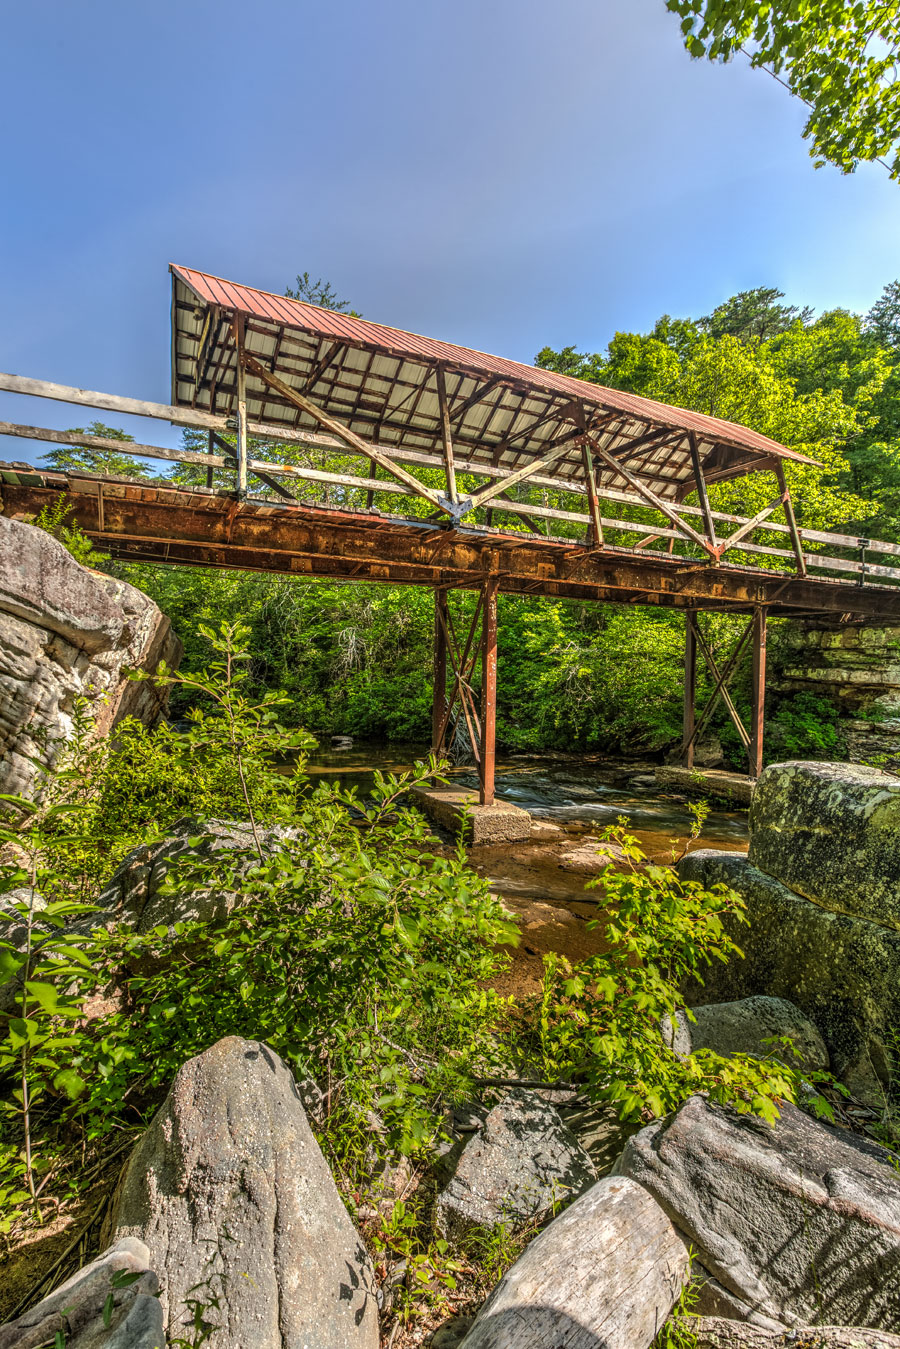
point(488, 689)
point(758, 693)
point(149, 522)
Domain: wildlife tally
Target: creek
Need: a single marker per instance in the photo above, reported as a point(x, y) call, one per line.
point(577, 796)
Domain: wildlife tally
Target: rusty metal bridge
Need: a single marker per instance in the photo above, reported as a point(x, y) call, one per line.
point(303, 418)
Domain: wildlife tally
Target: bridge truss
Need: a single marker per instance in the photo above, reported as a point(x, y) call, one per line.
point(307, 417)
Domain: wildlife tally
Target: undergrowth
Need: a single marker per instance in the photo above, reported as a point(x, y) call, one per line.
point(351, 944)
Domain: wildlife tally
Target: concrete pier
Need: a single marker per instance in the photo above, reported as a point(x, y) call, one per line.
point(449, 807)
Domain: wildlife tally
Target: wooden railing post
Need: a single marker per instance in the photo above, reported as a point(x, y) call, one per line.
point(488, 690)
point(758, 693)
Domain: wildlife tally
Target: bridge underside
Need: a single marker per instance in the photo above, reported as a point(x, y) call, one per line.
point(148, 522)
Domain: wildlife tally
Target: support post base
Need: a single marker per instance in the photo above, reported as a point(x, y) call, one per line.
point(449, 806)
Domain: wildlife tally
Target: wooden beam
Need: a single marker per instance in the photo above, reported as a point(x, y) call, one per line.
point(241, 405)
point(789, 516)
point(650, 496)
point(701, 489)
point(593, 502)
point(446, 434)
point(300, 401)
point(439, 680)
point(494, 489)
point(690, 691)
point(460, 411)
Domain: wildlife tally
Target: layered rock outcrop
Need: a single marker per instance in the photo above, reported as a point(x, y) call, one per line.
point(67, 632)
point(820, 885)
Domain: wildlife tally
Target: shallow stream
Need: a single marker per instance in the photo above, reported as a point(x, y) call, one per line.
point(577, 797)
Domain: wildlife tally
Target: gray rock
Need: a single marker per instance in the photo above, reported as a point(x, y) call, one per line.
point(522, 1163)
point(451, 1333)
point(600, 1132)
point(67, 632)
point(839, 970)
point(134, 895)
point(76, 1307)
point(229, 1190)
point(799, 1223)
point(831, 832)
point(742, 1027)
point(603, 1275)
point(716, 1332)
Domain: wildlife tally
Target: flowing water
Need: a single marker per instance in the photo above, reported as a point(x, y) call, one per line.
point(572, 799)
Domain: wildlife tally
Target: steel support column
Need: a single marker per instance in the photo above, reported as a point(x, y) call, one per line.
point(439, 695)
point(690, 691)
point(488, 689)
point(758, 693)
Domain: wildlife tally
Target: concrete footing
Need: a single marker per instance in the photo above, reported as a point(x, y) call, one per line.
point(449, 806)
point(707, 782)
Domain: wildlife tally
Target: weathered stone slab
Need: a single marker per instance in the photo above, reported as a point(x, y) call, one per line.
point(135, 893)
point(717, 1332)
point(522, 1162)
point(799, 1223)
point(75, 1310)
point(831, 832)
point(840, 970)
point(603, 1275)
point(229, 1190)
point(744, 1026)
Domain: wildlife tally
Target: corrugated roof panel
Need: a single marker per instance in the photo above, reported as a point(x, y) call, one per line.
point(378, 382)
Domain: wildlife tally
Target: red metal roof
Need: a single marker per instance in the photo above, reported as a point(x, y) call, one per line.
point(296, 314)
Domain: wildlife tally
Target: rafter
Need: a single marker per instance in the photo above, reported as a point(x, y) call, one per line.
point(323, 418)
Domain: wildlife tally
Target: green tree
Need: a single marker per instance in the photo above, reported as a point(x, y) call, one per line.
point(90, 459)
point(841, 57)
point(753, 315)
point(318, 292)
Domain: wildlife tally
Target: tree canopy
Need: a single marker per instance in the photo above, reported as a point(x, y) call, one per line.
point(89, 459)
point(841, 57)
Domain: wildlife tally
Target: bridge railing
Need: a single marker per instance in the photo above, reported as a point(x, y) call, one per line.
point(350, 490)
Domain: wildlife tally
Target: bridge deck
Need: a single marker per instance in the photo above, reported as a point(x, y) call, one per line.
point(152, 522)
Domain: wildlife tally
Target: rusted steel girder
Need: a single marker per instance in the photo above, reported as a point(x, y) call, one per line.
point(753, 634)
point(148, 522)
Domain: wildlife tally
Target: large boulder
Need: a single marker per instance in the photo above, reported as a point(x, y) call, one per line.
point(231, 1193)
point(838, 969)
point(603, 1275)
point(831, 832)
point(136, 893)
point(67, 632)
point(718, 1332)
point(745, 1027)
point(797, 1223)
point(520, 1164)
point(112, 1303)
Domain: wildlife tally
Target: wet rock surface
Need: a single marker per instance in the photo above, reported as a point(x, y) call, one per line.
point(230, 1192)
point(829, 832)
point(522, 1162)
point(841, 971)
point(798, 1222)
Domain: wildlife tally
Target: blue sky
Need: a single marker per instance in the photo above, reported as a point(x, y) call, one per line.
point(502, 174)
